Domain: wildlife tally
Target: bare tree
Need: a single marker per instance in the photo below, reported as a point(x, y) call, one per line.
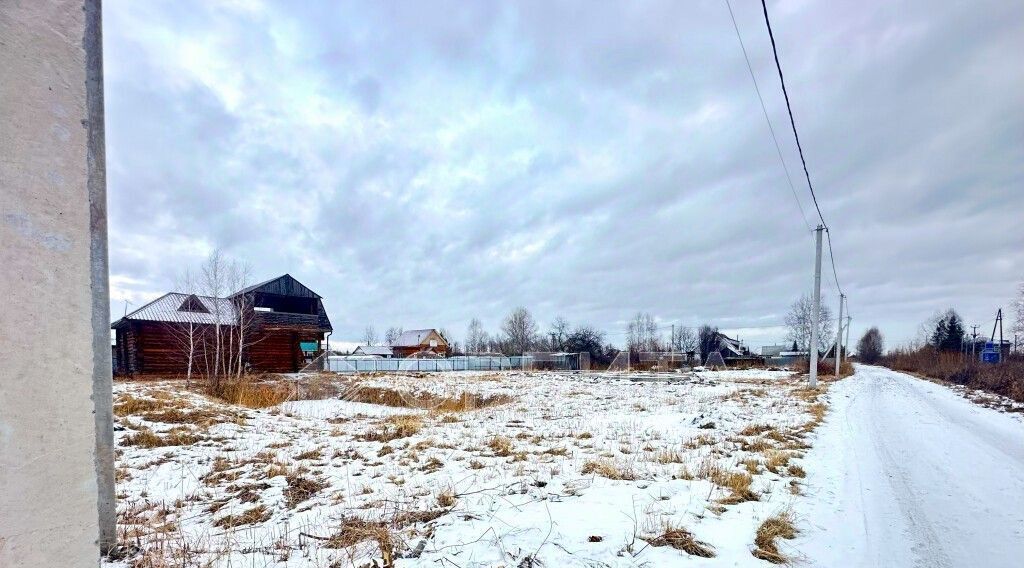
point(214, 282)
point(870, 347)
point(520, 331)
point(239, 275)
point(188, 335)
point(642, 333)
point(370, 335)
point(392, 335)
point(476, 337)
point(1018, 324)
point(798, 322)
point(559, 332)
point(684, 339)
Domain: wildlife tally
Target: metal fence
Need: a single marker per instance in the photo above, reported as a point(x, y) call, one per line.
point(344, 364)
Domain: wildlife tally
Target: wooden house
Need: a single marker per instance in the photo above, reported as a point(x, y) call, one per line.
point(420, 343)
point(281, 322)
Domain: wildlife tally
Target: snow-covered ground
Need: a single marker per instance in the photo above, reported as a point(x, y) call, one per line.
point(565, 470)
point(906, 472)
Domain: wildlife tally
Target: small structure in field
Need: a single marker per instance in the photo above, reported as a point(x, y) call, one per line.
point(420, 342)
point(280, 325)
point(382, 351)
point(715, 361)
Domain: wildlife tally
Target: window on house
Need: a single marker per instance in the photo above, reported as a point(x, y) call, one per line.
point(193, 304)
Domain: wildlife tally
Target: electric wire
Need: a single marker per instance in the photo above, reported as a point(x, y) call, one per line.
point(799, 147)
point(764, 109)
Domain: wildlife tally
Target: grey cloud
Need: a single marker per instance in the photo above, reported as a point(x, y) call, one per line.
point(421, 163)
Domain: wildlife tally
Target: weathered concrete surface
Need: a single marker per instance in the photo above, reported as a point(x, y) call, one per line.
point(54, 346)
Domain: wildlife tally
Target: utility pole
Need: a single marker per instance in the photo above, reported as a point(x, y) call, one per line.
point(974, 341)
point(839, 336)
point(816, 307)
point(846, 343)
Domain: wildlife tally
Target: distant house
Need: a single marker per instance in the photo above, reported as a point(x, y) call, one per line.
point(382, 351)
point(420, 342)
point(774, 350)
point(286, 324)
point(734, 350)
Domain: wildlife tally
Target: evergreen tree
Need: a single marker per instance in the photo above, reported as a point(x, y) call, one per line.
point(939, 335)
point(954, 333)
point(949, 331)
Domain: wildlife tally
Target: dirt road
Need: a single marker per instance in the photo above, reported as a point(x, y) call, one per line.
point(908, 473)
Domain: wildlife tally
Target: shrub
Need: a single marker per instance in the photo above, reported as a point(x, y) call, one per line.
point(1006, 379)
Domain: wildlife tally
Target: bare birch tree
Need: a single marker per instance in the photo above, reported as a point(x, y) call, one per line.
point(642, 333)
point(476, 337)
point(370, 335)
point(392, 335)
point(214, 284)
point(239, 275)
point(520, 331)
point(188, 335)
point(798, 322)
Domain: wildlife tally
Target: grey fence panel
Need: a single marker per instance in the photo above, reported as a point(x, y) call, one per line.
point(342, 364)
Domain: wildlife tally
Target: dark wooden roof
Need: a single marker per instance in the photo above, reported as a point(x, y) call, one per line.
point(283, 285)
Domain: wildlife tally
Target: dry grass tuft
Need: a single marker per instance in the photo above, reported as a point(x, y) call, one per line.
point(463, 402)
point(681, 539)
point(128, 405)
point(146, 438)
point(446, 498)
point(355, 531)
point(701, 440)
point(301, 488)
point(500, 445)
point(253, 392)
point(608, 468)
point(257, 514)
point(738, 485)
point(395, 427)
point(775, 527)
point(669, 455)
point(776, 460)
point(314, 454)
point(756, 429)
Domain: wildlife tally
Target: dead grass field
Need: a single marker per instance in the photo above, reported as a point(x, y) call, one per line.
point(412, 470)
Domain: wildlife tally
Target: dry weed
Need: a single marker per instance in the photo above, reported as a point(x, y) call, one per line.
point(775, 527)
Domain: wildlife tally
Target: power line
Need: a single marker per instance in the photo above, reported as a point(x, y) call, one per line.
point(766, 119)
point(799, 147)
point(832, 259)
point(789, 109)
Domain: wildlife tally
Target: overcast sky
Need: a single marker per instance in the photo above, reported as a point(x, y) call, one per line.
point(422, 163)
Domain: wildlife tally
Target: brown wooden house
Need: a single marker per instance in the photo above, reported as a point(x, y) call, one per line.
point(420, 343)
point(282, 324)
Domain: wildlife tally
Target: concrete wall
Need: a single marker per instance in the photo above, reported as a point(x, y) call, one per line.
point(56, 479)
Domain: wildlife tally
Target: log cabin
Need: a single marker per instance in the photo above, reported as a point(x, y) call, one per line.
point(420, 343)
point(281, 323)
